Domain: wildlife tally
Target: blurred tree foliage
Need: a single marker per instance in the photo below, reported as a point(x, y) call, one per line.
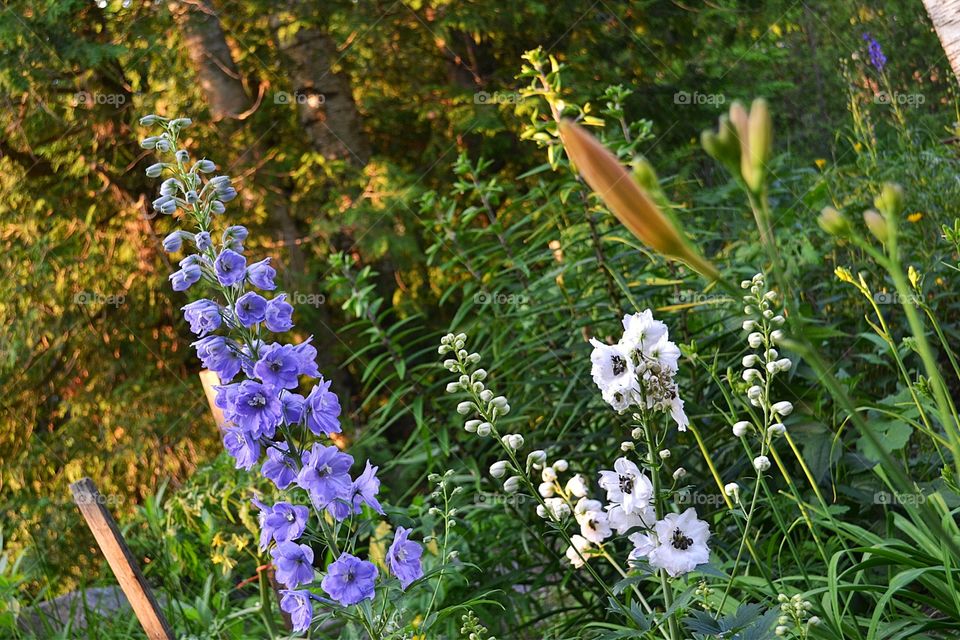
point(335, 118)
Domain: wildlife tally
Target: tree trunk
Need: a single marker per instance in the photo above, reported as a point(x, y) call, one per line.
point(325, 105)
point(211, 57)
point(945, 16)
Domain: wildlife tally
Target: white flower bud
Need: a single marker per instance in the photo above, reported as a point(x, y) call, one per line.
point(755, 339)
point(538, 456)
point(772, 354)
point(637, 433)
point(546, 489)
point(513, 441)
point(732, 489)
point(741, 428)
point(781, 630)
point(484, 429)
point(679, 473)
point(749, 375)
point(784, 408)
point(754, 392)
point(777, 320)
point(745, 284)
point(777, 335)
point(464, 408)
point(784, 364)
point(576, 486)
point(542, 512)
point(749, 360)
point(499, 468)
point(627, 446)
point(813, 621)
point(499, 402)
point(776, 430)
point(512, 484)
point(486, 395)
point(748, 310)
point(664, 454)
point(548, 474)
point(561, 465)
point(761, 463)
point(767, 313)
point(480, 374)
point(471, 426)
point(749, 325)
point(453, 387)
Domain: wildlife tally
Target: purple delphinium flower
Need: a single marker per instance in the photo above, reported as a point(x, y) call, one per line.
point(256, 408)
point(233, 238)
point(322, 409)
point(308, 358)
point(282, 522)
point(292, 407)
point(279, 315)
point(261, 275)
point(230, 267)
point(250, 308)
point(186, 276)
point(221, 355)
point(278, 366)
point(403, 558)
point(350, 580)
point(294, 563)
point(325, 473)
point(203, 316)
point(243, 446)
point(276, 467)
point(877, 59)
point(173, 242)
point(363, 491)
point(297, 604)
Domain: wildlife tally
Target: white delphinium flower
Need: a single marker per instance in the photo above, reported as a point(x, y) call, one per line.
point(761, 463)
point(548, 474)
point(732, 489)
point(679, 473)
point(614, 374)
point(577, 553)
point(561, 465)
point(576, 486)
point(557, 507)
point(512, 484)
point(741, 428)
point(681, 543)
point(622, 522)
point(640, 330)
point(546, 490)
point(783, 408)
point(627, 486)
point(499, 468)
point(593, 520)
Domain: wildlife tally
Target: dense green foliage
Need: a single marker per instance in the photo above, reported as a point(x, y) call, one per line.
point(468, 217)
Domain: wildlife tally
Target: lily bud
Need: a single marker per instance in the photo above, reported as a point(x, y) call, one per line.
point(834, 222)
point(760, 141)
point(627, 200)
point(890, 200)
point(877, 224)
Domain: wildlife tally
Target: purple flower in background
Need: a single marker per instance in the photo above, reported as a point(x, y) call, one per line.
point(250, 308)
point(323, 409)
point(202, 240)
point(276, 468)
point(221, 355)
point(243, 446)
point(294, 563)
point(308, 358)
point(185, 277)
point(325, 473)
point(256, 408)
point(278, 366)
point(298, 605)
point(279, 315)
point(403, 558)
point(173, 242)
point(877, 59)
point(282, 522)
point(203, 316)
point(261, 274)
point(292, 407)
point(350, 580)
point(230, 267)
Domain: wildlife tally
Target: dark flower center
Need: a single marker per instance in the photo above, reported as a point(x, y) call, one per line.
point(626, 484)
point(680, 541)
point(619, 365)
point(324, 471)
point(257, 401)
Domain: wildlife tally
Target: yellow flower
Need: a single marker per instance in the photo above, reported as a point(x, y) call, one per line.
point(857, 147)
point(820, 162)
point(915, 217)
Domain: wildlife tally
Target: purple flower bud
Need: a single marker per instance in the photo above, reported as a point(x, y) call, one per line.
point(181, 123)
point(217, 208)
point(203, 316)
point(173, 242)
point(150, 120)
point(154, 170)
point(163, 144)
point(182, 155)
point(227, 194)
point(191, 197)
point(149, 143)
point(169, 187)
point(202, 240)
point(185, 277)
point(204, 166)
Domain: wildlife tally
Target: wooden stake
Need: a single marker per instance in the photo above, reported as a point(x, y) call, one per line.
point(209, 380)
point(121, 561)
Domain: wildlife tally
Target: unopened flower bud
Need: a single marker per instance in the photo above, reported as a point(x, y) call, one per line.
point(484, 429)
point(877, 224)
point(755, 339)
point(741, 428)
point(150, 120)
point(664, 454)
point(512, 484)
point(548, 474)
point(538, 456)
point(784, 408)
point(464, 408)
point(761, 463)
point(561, 465)
point(679, 473)
point(732, 489)
point(154, 170)
point(834, 222)
point(546, 489)
point(499, 468)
